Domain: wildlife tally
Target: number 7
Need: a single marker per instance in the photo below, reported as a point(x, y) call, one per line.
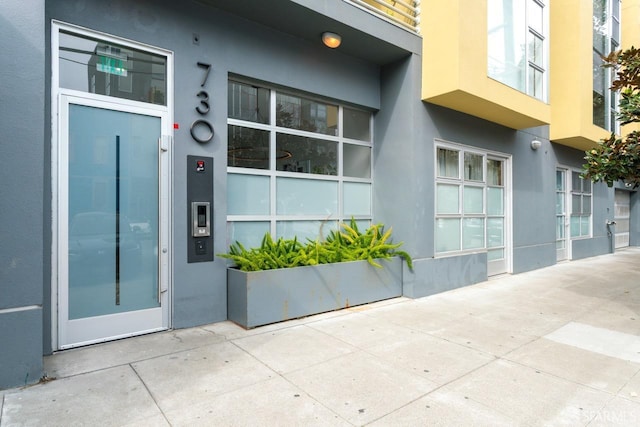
point(206, 74)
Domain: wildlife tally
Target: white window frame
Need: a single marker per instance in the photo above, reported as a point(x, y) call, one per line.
point(571, 192)
point(273, 218)
point(529, 65)
point(487, 155)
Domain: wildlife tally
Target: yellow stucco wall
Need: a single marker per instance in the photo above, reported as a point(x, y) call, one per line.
point(455, 67)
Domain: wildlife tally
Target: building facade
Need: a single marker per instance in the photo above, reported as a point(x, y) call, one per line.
point(142, 138)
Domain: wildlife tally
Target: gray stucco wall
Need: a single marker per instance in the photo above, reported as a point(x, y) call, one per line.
point(233, 46)
point(603, 209)
point(22, 174)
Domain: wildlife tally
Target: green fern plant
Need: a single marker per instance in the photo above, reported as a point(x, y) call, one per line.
point(345, 244)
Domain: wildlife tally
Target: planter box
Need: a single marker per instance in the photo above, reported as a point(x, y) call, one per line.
point(262, 297)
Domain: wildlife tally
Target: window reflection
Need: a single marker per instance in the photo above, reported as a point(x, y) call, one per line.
point(96, 66)
point(306, 155)
point(295, 112)
point(248, 148)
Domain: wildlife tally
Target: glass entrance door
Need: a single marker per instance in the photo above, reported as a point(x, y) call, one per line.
point(562, 220)
point(112, 221)
point(496, 218)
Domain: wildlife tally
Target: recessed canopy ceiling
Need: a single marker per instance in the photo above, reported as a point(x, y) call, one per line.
point(300, 21)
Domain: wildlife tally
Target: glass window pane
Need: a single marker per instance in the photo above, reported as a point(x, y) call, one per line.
point(473, 167)
point(599, 25)
point(535, 17)
point(495, 201)
point(357, 199)
point(356, 124)
point(473, 200)
point(96, 66)
point(356, 161)
point(576, 204)
point(575, 226)
point(250, 234)
point(560, 180)
point(295, 112)
point(472, 233)
point(494, 172)
point(448, 163)
point(247, 148)
point(535, 50)
point(586, 186)
point(495, 254)
point(304, 230)
point(306, 155)
point(535, 83)
point(576, 182)
point(248, 102)
point(560, 244)
point(585, 225)
point(247, 194)
point(586, 204)
point(560, 227)
point(306, 197)
point(447, 199)
point(506, 39)
point(495, 232)
point(560, 203)
point(447, 234)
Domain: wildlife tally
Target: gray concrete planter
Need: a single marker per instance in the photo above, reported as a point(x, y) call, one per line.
point(262, 297)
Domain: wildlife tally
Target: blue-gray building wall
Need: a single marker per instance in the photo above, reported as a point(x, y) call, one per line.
point(234, 46)
point(22, 194)
point(405, 133)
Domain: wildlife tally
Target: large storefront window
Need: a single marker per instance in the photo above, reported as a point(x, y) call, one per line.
point(470, 203)
point(296, 165)
point(517, 44)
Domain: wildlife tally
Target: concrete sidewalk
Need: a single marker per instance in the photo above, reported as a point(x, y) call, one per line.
point(556, 346)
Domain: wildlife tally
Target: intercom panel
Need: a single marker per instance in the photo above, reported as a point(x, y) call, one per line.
point(200, 209)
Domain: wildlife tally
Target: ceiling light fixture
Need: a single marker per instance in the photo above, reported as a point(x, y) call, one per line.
point(331, 40)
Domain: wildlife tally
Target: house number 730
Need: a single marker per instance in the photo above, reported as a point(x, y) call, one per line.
point(201, 129)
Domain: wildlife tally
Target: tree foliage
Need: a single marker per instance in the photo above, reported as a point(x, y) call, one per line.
point(618, 158)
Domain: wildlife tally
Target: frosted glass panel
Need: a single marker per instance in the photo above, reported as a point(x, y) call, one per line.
point(356, 124)
point(304, 230)
point(560, 227)
point(250, 234)
point(247, 195)
point(575, 226)
point(472, 233)
point(447, 234)
point(447, 199)
point(495, 201)
point(356, 161)
point(306, 197)
point(495, 254)
point(495, 232)
point(113, 211)
point(473, 202)
point(560, 203)
point(585, 225)
point(357, 199)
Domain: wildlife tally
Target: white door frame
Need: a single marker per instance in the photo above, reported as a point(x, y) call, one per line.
point(567, 212)
point(60, 98)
